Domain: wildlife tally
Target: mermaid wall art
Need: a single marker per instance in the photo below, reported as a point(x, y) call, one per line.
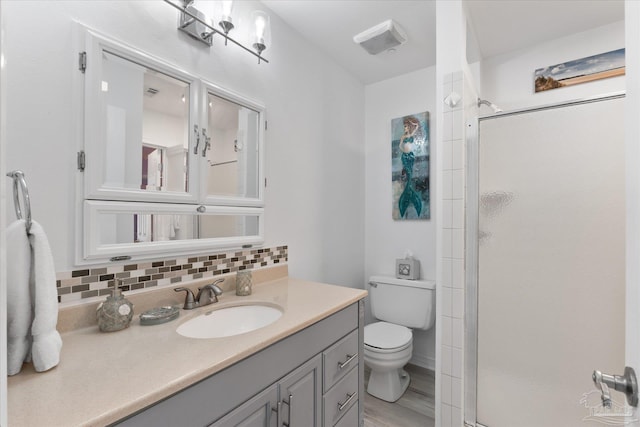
point(410, 166)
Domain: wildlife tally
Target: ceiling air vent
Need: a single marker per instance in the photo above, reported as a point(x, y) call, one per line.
point(151, 91)
point(381, 38)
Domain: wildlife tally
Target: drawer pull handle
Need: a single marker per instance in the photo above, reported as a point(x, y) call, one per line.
point(278, 411)
point(343, 405)
point(350, 357)
point(289, 404)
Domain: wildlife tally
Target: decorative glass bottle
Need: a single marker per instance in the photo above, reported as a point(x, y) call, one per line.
point(116, 312)
point(244, 281)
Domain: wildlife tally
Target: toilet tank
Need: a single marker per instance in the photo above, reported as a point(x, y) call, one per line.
point(411, 303)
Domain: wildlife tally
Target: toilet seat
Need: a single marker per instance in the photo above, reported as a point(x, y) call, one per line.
point(383, 336)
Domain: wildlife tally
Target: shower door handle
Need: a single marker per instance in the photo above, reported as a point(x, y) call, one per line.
point(627, 384)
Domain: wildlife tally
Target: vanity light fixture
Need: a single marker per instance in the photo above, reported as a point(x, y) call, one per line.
point(199, 26)
point(226, 22)
point(262, 31)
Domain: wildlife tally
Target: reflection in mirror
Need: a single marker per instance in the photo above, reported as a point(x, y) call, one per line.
point(119, 228)
point(146, 127)
point(232, 161)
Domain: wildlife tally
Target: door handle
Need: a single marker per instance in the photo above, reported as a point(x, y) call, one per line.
point(627, 384)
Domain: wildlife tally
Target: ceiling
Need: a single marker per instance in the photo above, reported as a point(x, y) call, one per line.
point(500, 26)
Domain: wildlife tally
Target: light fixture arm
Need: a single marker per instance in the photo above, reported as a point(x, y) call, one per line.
point(213, 31)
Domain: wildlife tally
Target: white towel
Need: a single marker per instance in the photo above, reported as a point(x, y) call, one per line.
point(32, 309)
point(46, 341)
point(18, 296)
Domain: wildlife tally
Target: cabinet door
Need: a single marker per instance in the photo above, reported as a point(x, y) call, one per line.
point(257, 412)
point(301, 396)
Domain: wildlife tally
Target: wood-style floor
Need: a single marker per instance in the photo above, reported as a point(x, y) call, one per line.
point(416, 407)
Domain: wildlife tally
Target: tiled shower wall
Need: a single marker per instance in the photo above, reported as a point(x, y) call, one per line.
point(453, 252)
point(92, 282)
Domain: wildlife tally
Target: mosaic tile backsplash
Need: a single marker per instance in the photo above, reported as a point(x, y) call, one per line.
point(92, 282)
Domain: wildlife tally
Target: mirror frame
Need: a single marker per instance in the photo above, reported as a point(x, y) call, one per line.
point(93, 199)
point(94, 133)
point(94, 250)
point(208, 87)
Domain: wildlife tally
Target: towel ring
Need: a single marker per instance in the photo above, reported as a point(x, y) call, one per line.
point(18, 179)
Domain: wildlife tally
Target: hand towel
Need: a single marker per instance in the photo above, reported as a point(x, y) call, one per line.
point(18, 296)
point(46, 341)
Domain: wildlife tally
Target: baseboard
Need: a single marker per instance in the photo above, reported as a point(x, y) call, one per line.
point(423, 361)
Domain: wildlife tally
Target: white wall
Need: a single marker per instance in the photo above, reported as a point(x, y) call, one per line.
point(507, 80)
point(314, 146)
point(386, 239)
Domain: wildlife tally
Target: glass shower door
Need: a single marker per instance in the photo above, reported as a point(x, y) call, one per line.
point(551, 264)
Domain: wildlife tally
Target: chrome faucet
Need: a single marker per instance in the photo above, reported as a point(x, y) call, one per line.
point(208, 294)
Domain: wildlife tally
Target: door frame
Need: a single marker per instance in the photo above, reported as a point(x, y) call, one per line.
point(471, 247)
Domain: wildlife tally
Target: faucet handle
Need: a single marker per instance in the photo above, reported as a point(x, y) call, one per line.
point(189, 301)
point(212, 291)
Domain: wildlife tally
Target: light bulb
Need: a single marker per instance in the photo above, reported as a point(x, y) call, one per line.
point(260, 25)
point(261, 34)
point(227, 8)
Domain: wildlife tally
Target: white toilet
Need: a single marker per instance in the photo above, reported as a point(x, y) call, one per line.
point(399, 304)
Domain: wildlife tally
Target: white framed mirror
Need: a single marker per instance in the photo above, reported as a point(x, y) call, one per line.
point(174, 163)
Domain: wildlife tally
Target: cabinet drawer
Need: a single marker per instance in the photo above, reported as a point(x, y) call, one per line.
point(338, 359)
point(350, 419)
point(341, 398)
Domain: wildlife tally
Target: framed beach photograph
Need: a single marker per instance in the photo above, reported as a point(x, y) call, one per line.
point(410, 167)
point(591, 68)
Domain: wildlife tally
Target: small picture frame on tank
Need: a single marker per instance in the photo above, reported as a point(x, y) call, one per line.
point(407, 268)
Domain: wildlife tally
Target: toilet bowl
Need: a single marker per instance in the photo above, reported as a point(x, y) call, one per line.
point(387, 349)
point(388, 344)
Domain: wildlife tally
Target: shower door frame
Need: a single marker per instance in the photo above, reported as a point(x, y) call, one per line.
point(471, 246)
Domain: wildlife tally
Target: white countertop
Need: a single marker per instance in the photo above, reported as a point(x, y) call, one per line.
point(103, 377)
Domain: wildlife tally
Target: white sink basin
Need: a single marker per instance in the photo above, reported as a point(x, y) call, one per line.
point(226, 322)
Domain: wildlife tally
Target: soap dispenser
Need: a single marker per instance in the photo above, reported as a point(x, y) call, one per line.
point(116, 312)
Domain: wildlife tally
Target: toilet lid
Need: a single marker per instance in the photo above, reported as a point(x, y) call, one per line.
point(386, 335)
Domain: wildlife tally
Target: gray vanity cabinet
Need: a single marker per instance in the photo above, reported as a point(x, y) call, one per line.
point(295, 401)
point(313, 378)
point(257, 412)
point(300, 401)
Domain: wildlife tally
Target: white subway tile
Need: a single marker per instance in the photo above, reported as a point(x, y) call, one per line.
point(457, 273)
point(457, 125)
point(457, 243)
point(447, 157)
point(447, 213)
point(445, 364)
point(457, 333)
point(447, 333)
point(445, 389)
point(456, 393)
point(447, 126)
point(457, 154)
point(447, 271)
point(448, 78)
point(456, 417)
point(445, 416)
point(447, 242)
point(456, 363)
point(457, 303)
point(457, 184)
point(447, 184)
point(457, 210)
point(446, 301)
